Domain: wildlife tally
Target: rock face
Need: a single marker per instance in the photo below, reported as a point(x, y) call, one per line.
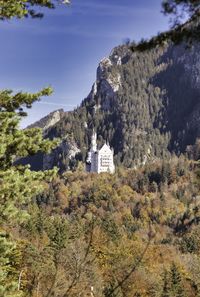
point(49, 120)
point(146, 105)
point(61, 156)
point(106, 85)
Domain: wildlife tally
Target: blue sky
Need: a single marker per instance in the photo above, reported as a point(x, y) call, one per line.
point(64, 48)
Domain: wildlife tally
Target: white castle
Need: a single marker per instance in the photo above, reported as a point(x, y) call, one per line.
point(100, 160)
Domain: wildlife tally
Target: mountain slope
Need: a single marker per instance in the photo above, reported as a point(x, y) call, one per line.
point(49, 120)
point(145, 104)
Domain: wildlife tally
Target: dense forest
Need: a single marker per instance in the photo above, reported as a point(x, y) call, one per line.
point(134, 233)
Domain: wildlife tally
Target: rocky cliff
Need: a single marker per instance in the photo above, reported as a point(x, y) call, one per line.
point(49, 120)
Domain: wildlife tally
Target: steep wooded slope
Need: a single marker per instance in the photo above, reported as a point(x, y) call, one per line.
point(145, 104)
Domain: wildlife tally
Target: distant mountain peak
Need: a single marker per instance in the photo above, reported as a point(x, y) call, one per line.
point(49, 120)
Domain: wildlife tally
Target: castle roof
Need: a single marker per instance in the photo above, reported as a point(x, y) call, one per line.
point(105, 148)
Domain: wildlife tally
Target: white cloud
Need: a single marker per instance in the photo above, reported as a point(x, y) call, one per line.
point(56, 104)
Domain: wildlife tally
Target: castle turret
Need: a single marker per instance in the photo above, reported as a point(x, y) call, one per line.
point(94, 142)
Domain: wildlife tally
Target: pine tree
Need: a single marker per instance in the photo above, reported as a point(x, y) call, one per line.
point(18, 184)
point(176, 287)
point(166, 287)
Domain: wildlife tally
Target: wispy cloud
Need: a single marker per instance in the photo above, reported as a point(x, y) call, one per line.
point(73, 30)
point(56, 104)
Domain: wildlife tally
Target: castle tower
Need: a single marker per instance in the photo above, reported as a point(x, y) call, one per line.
point(94, 142)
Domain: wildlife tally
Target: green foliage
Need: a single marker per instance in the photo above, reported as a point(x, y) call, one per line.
point(176, 288)
point(17, 183)
point(58, 235)
point(25, 8)
point(173, 283)
point(8, 274)
point(190, 243)
point(166, 286)
point(177, 6)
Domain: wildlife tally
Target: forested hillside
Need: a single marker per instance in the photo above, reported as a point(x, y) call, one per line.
point(146, 104)
point(135, 233)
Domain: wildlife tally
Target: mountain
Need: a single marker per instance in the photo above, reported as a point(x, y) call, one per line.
point(48, 121)
point(146, 104)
